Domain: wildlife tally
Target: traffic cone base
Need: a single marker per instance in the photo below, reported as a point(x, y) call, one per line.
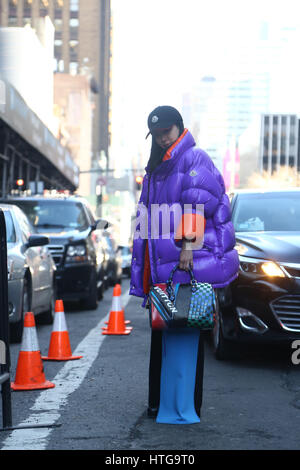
point(60, 348)
point(30, 371)
point(116, 325)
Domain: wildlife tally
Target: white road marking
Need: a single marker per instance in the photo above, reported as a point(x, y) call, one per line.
point(46, 409)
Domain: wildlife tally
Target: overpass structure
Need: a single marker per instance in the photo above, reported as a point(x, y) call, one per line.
point(28, 149)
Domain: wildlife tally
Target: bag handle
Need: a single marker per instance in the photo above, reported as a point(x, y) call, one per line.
point(170, 289)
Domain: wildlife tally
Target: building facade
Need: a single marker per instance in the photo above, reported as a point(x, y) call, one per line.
point(279, 145)
point(82, 45)
point(73, 110)
point(31, 74)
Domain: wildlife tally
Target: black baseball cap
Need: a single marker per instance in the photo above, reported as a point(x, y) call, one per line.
point(163, 117)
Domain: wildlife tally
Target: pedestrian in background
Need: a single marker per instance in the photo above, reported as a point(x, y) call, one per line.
point(178, 172)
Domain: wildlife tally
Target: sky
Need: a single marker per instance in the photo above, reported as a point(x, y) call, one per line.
point(162, 48)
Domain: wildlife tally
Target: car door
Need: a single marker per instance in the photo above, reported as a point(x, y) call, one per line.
point(39, 265)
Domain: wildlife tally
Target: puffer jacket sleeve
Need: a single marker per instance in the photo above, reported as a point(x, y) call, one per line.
point(222, 220)
point(204, 185)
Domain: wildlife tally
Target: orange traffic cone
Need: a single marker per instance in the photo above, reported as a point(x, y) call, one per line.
point(116, 323)
point(116, 303)
point(59, 347)
point(30, 372)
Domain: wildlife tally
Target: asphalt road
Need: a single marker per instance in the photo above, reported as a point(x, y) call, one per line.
point(99, 402)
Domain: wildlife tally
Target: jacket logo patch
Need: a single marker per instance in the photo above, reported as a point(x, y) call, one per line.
point(193, 173)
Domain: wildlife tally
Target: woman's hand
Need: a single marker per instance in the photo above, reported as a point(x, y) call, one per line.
point(186, 256)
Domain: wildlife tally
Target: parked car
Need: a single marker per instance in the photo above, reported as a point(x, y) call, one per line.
point(126, 253)
point(263, 303)
point(114, 260)
point(75, 244)
point(31, 272)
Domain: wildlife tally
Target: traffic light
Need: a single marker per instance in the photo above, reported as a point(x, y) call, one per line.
point(138, 182)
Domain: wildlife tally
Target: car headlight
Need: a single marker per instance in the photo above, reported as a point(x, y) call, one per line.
point(76, 253)
point(272, 269)
point(260, 267)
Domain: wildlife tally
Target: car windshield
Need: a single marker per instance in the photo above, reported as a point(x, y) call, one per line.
point(267, 212)
point(50, 214)
point(10, 229)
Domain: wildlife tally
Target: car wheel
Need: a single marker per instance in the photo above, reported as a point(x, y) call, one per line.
point(91, 302)
point(223, 349)
point(16, 329)
point(47, 318)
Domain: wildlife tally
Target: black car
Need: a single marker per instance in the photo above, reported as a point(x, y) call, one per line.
point(75, 244)
point(263, 303)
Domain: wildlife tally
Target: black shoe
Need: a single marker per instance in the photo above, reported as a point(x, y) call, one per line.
point(152, 412)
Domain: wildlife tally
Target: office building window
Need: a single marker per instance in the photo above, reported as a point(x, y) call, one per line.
point(74, 8)
point(74, 5)
point(27, 9)
point(265, 163)
point(58, 49)
point(58, 25)
point(58, 8)
point(73, 50)
point(12, 5)
point(73, 68)
point(26, 20)
point(74, 23)
point(44, 4)
point(61, 66)
point(12, 21)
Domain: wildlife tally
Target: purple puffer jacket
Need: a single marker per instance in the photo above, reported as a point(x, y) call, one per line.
point(188, 177)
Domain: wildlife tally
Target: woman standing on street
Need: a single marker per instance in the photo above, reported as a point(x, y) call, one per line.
point(179, 173)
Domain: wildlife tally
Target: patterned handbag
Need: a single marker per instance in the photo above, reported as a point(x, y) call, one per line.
point(184, 305)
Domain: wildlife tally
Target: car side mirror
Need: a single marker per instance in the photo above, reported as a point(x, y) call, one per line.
point(101, 224)
point(37, 240)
